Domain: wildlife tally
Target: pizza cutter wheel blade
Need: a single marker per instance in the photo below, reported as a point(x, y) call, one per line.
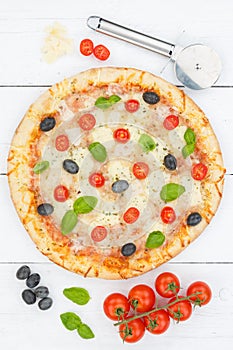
point(196, 66)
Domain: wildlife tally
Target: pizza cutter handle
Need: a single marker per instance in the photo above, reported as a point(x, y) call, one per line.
point(136, 38)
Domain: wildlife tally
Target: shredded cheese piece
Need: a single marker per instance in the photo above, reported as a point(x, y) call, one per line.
point(56, 43)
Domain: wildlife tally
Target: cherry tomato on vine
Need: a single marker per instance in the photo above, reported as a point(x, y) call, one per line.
point(142, 298)
point(115, 306)
point(96, 180)
point(171, 122)
point(157, 322)
point(101, 52)
point(167, 284)
point(204, 297)
point(121, 135)
point(199, 171)
point(134, 332)
point(181, 310)
point(168, 215)
point(140, 170)
point(86, 47)
point(132, 106)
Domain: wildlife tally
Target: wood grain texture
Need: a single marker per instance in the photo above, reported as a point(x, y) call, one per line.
point(23, 76)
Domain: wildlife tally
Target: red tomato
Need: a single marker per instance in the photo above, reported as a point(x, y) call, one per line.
point(204, 297)
point(61, 193)
point(99, 233)
point(171, 122)
point(181, 310)
point(168, 215)
point(132, 106)
point(134, 332)
point(157, 322)
point(167, 284)
point(96, 180)
point(87, 121)
point(86, 47)
point(121, 135)
point(101, 52)
point(142, 298)
point(199, 171)
point(115, 306)
point(131, 215)
point(140, 170)
point(62, 143)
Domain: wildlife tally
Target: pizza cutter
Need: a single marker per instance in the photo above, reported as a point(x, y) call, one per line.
point(197, 66)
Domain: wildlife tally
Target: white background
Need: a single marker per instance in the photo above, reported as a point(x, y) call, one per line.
point(23, 77)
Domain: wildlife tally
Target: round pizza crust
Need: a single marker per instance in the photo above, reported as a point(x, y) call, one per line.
point(88, 262)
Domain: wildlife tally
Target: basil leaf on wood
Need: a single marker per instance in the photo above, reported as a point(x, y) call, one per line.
point(85, 331)
point(40, 167)
point(104, 103)
point(147, 143)
point(171, 191)
point(98, 151)
point(70, 320)
point(85, 204)
point(68, 222)
point(155, 239)
point(78, 295)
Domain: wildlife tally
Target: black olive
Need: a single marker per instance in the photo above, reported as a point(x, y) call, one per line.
point(45, 209)
point(128, 249)
point(23, 272)
point(194, 219)
point(41, 292)
point(70, 166)
point(170, 162)
point(29, 296)
point(33, 280)
point(45, 303)
point(120, 186)
point(150, 97)
point(47, 124)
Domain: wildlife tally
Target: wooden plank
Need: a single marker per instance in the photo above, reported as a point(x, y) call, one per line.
point(209, 326)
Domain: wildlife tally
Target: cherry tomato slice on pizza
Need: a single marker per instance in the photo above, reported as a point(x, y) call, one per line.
point(99, 233)
point(141, 298)
point(96, 180)
point(62, 143)
point(86, 47)
point(116, 306)
point(101, 52)
point(168, 215)
point(181, 310)
point(157, 322)
point(132, 105)
point(131, 215)
point(171, 122)
point(61, 193)
point(140, 170)
point(134, 332)
point(199, 171)
point(167, 284)
point(204, 289)
point(87, 121)
point(121, 135)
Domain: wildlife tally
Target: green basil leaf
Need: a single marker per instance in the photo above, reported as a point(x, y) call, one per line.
point(189, 136)
point(68, 222)
point(171, 191)
point(98, 151)
point(70, 320)
point(147, 143)
point(155, 239)
point(85, 204)
point(40, 167)
point(85, 331)
point(78, 295)
point(188, 149)
point(104, 103)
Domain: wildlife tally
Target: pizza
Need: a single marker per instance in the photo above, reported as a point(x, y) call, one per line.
point(114, 171)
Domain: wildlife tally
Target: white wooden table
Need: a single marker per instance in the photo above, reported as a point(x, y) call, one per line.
point(23, 77)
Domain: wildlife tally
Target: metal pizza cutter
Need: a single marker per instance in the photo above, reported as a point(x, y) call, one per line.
point(197, 66)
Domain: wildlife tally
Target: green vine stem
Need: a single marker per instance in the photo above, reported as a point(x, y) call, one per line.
point(166, 306)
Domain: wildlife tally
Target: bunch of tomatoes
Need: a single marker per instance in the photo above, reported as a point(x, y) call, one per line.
point(140, 311)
